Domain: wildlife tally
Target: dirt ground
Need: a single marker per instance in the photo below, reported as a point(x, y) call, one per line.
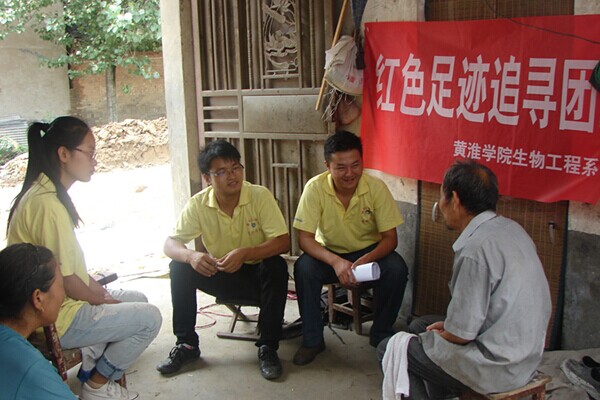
point(127, 207)
point(131, 143)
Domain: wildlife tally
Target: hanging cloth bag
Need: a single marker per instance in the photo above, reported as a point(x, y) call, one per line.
point(340, 71)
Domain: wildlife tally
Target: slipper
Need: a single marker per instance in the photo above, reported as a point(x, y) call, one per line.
point(580, 375)
point(590, 362)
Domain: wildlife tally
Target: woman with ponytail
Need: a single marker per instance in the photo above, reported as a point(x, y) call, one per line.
point(118, 325)
point(31, 292)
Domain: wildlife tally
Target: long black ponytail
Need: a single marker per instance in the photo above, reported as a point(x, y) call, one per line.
point(44, 140)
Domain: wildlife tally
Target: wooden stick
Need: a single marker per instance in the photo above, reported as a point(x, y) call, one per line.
point(336, 36)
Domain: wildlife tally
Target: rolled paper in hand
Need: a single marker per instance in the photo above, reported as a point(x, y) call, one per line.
point(367, 272)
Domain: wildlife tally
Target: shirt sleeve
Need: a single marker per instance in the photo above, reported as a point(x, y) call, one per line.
point(309, 210)
point(386, 211)
point(471, 293)
point(271, 219)
point(188, 226)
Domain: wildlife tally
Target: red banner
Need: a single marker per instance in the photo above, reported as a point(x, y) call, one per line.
point(511, 94)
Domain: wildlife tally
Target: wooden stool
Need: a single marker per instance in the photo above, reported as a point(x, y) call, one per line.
point(289, 330)
point(235, 306)
point(361, 309)
point(536, 388)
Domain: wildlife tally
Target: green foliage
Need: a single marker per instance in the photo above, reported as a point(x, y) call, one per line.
point(97, 34)
point(9, 149)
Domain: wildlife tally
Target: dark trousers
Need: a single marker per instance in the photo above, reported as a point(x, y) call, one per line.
point(427, 380)
point(265, 283)
point(311, 274)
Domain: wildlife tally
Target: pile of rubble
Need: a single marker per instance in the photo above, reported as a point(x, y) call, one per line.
point(131, 143)
point(128, 144)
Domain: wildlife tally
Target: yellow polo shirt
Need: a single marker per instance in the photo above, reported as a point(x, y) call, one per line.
point(41, 219)
point(255, 220)
point(372, 210)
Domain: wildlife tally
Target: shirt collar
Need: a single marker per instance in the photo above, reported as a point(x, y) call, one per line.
point(361, 189)
point(329, 187)
point(471, 227)
point(244, 197)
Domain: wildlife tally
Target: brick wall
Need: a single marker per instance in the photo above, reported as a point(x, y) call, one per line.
point(145, 100)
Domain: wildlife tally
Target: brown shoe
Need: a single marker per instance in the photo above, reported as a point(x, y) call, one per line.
point(305, 355)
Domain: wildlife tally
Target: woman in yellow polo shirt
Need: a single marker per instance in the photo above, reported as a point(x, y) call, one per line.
point(118, 324)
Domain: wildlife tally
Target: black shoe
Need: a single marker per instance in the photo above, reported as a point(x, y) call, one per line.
point(306, 355)
point(268, 361)
point(590, 362)
point(374, 342)
point(178, 356)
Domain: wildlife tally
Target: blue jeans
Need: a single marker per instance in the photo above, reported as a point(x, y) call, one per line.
point(127, 329)
point(311, 274)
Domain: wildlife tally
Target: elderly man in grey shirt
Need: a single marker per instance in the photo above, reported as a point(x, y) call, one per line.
point(492, 337)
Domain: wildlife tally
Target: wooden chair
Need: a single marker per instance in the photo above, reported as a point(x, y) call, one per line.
point(49, 345)
point(62, 359)
point(536, 388)
point(361, 308)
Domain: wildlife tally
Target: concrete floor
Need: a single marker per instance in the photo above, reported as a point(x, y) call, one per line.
point(228, 369)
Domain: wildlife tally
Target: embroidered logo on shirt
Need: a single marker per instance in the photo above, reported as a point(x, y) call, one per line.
point(367, 215)
point(253, 226)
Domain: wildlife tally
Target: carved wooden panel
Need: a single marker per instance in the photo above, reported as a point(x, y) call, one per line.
point(260, 65)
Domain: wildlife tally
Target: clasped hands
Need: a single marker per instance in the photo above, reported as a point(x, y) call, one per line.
point(437, 327)
point(205, 264)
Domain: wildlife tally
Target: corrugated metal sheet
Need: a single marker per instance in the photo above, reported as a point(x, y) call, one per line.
point(15, 128)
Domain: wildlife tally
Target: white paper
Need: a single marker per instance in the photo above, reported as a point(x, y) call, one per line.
point(367, 272)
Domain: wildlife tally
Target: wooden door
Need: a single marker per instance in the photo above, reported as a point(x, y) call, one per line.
point(259, 69)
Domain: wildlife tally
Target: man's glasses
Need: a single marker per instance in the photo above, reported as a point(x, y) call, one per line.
point(90, 154)
point(226, 171)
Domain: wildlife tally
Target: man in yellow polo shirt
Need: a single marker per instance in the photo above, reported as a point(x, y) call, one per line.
point(346, 218)
point(243, 233)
